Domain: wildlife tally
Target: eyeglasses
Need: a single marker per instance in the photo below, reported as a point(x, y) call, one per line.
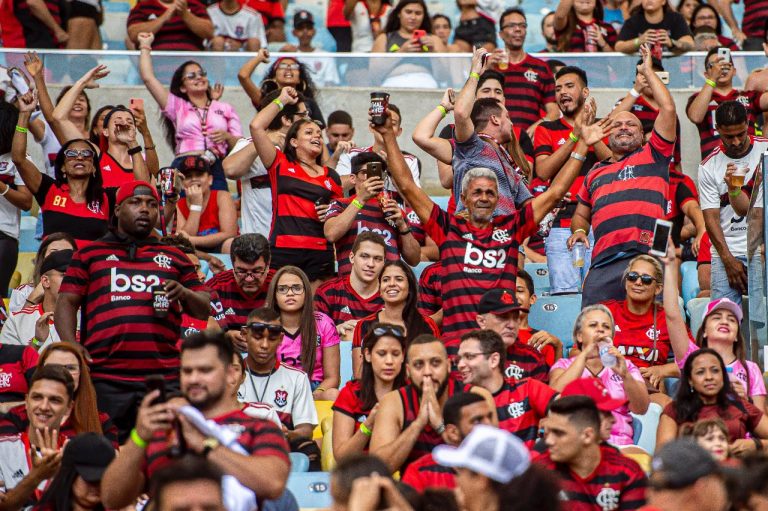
point(254, 274)
point(287, 66)
point(196, 74)
point(469, 357)
point(86, 154)
point(258, 328)
point(512, 26)
point(389, 330)
point(301, 115)
point(646, 279)
point(296, 289)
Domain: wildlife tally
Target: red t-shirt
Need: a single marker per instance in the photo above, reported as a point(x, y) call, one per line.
point(524, 335)
point(174, 34)
point(425, 473)
point(740, 417)
point(634, 334)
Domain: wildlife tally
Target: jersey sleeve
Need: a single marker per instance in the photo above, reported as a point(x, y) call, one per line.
point(327, 330)
point(611, 36)
point(661, 147)
point(321, 302)
point(583, 196)
point(29, 359)
point(173, 104)
point(438, 225)
point(77, 277)
point(547, 87)
point(346, 401)
point(526, 226)
point(633, 493)
point(709, 193)
point(685, 191)
point(470, 148)
point(357, 335)
point(542, 145)
point(335, 208)
point(233, 123)
point(45, 186)
point(344, 167)
point(540, 396)
point(413, 478)
point(137, 14)
point(756, 381)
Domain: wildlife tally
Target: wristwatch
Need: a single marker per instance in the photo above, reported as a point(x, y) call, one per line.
point(209, 444)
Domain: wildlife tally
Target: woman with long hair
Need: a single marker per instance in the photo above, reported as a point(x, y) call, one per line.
point(706, 16)
point(579, 27)
point(720, 330)
point(195, 123)
point(655, 23)
point(382, 370)
point(311, 342)
point(686, 8)
point(594, 325)
point(400, 291)
point(705, 392)
point(303, 188)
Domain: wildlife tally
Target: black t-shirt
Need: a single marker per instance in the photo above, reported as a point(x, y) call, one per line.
point(476, 32)
point(673, 23)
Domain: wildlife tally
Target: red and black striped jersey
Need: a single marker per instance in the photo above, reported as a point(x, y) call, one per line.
point(191, 325)
point(525, 334)
point(174, 34)
point(578, 42)
point(520, 405)
point(430, 289)
point(755, 14)
point(294, 219)
point(235, 304)
point(348, 402)
point(476, 260)
point(681, 190)
point(115, 279)
point(113, 174)
point(84, 221)
point(428, 439)
point(259, 437)
point(709, 138)
point(364, 325)
point(425, 473)
point(647, 114)
point(17, 364)
point(22, 29)
point(528, 87)
point(525, 361)
point(626, 197)
point(16, 419)
point(338, 299)
point(617, 484)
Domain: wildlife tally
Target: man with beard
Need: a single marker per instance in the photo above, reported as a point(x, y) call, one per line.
point(548, 33)
point(553, 144)
point(162, 432)
point(725, 202)
point(131, 289)
point(409, 423)
point(623, 196)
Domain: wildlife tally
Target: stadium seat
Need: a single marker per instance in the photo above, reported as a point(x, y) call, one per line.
point(323, 409)
point(649, 422)
point(28, 223)
point(345, 354)
point(26, 265)
point(540, 275)
point(226, 259)
point(205, 270)
point(556, 315)
point(420, 268)
point(690, 280)
point(311, 489)
point(327, 461)
point(441, 200)
point(299, 462)
point(27, 241)
point(637, 430)
point(695, 309)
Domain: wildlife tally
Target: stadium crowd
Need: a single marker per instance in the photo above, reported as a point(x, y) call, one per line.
point(195, 331)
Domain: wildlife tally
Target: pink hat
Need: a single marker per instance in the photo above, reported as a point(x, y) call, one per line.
point(723, 303)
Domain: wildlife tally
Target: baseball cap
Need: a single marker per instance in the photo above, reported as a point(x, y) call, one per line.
point(90, 454)
point(596, 391)
point(303, 17)
point(194, 163)
point(492, 452)
point(129, 190)
point(499, 301)
point(58, 260)
point(681, 463)
point(723, 303)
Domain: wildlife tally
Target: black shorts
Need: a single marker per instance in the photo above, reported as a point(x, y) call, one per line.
point(78, 9)
point(476, 32)
point(316, 264)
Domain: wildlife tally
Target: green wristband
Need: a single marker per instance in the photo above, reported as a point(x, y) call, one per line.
point(573, 137)
point(364, 430)
point(711, 83)
point(136, 439)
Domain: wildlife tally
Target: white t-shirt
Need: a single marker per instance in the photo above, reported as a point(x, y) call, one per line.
point(10, 215)
point(255, 203)
point(262, 411)
point(344, 168)
point(243, 25)
point(713, 193)
point(20, 327)
point(360, 23)
point(322, 69)
point(13, 463)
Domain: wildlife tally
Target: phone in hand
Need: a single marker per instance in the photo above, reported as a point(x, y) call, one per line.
point(374, 169)
point(418, 34)
point(661, 232)
point(136, 104)
point(725, 54)
point(156, 382)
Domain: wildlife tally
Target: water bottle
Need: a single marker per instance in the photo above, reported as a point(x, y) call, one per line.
point(606, 357)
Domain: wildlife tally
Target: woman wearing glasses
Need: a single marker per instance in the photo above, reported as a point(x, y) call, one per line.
point(382, 370)
point(195, 123)
point(400, 292)
point(73, 201)
point(311, 342)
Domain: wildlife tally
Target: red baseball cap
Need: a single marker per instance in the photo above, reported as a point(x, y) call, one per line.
point(595, 390)
point(128, 190)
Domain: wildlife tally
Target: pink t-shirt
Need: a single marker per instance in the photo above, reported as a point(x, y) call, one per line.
point(188, 122)
point(622, 431)
point(737, 372)
point(290, 349)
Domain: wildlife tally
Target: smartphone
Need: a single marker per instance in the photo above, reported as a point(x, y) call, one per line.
point(156, 382)
point(724, 53)
point(136, 104)
point(485, 58)
point(661, 232)
point(418, 34)
point(375, 169)
point(663, 76)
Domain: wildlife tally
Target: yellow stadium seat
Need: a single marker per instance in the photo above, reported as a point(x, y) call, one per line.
point(327, 460)
point(642, 458)
point(323, 410)
point(14, 282)
point(25, 266)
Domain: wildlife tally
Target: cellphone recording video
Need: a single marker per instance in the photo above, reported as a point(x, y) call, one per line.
point(156, 382)
point(660, 238)
point(374, 169)
point(724, 53)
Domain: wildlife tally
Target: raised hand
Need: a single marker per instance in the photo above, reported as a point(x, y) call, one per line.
point(91, 77)
point(217, 91)
point(28, 102)
point(42, 328)
point(125, 133)
point(448, 100)
point(289, 96)
point(594, 133)
point(33, 64)
point(645, 54)
point(479, 64)
point(145, 40)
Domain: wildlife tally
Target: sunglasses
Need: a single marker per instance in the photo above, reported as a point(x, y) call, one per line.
point(646, 279)
point(196, 74)
point(292, 67)
point(296, 289)
point(82, 153)
point(258, 328)
point(389, 330)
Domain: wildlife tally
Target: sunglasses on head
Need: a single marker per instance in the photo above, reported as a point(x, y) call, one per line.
point(646, 279)
point(194, 74)
point(389, 330)
point(74, 153)
point(257, 328)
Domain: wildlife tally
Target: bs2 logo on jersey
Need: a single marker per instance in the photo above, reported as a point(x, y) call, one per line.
point(138, 283)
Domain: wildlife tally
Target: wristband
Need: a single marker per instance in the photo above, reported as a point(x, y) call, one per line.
point(573, 137)
point(735, 193)
point(21, 130)
point(440, 429)
point(7, 187)
point(36, 343)
point(474, 75)
point(577, 156)
point(711, 83)
point(319, 389)
point(365, 430)
point(135, 150)
point(442, 110)
point(136, 439)
point(579, 230)
point(633, 92)
point(195, 207)
point(405, 232)
point(279, 104)
point(358, 204)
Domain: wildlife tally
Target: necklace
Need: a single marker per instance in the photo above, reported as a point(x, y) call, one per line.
point(259, 399)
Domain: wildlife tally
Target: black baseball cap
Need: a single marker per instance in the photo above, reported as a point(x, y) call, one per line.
point(681, 463)
point(90, 454)
point(195, 163)
point(303, 17)
point(58, 260)
point(499, 301)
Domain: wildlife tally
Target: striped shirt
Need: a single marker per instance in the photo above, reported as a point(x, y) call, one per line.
point(236, 304)
point(294, 220)
point(755, 14)
point(528, 87)
point(525, 361)
point(430, 289)
point(174, 34)
point(647, 114)
point(626, 197)
point(476, 260)
point(682, 189)
point(348, 402)
point(617, 484)
point(22, 29)
point(116, 279)
point(425, 473)
point(578, 42)
point(521, 405)
point(337, 299)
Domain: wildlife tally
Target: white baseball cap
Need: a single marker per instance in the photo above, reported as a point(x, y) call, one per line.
point(492, 452)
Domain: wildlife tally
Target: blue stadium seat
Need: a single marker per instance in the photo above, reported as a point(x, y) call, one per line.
point(556, 315)
point(695, 309)
point(420, 268)
point(441, 200)
point(690, 280)
point(311, 489)
point(225, 259)
point(637, 430)
point(299, 462)
point(27, 241)
point(540, 275)
point(345, 354)
point(649, 422)
point(204, 269)
point(28, 222)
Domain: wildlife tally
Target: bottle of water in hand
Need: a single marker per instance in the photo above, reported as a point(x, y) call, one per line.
point(606, 357)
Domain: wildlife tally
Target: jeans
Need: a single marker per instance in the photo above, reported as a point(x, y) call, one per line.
point(563, 276)
point(721, 288)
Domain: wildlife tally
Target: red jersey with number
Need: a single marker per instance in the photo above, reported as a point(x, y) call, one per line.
point(338, 299)
point(528, 87)
point(425, 473)
point(85, 221)
point(430, 289)
point(520, 405)
point(634, 335)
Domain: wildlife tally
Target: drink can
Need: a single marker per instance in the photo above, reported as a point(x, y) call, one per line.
point(379, 107)
point(167, 177)
point(590, 44)
point(608, 359)
point(160, 302)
